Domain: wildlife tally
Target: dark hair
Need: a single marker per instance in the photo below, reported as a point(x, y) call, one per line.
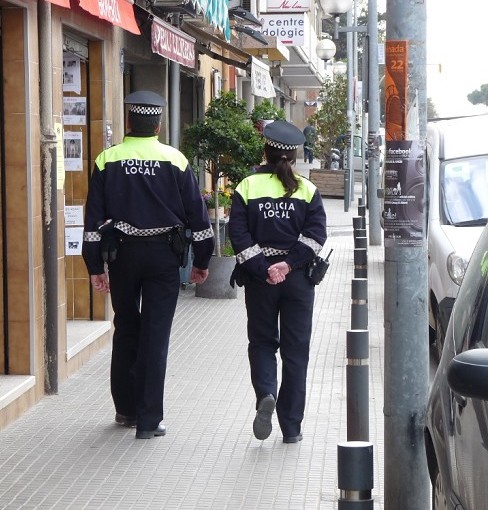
point(143, 124)
point(281, 161)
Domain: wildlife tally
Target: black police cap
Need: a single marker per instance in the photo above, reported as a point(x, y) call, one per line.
point(145, 102)
point(283, 135)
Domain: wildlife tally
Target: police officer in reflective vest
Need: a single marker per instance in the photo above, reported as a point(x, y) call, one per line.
point(277, 226)
point(142, 199)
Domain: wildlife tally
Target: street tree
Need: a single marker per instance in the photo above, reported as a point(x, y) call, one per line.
point(331, 118)
point(479, 96)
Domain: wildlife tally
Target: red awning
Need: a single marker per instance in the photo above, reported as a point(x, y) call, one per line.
point(117, 12)
point(62, 3)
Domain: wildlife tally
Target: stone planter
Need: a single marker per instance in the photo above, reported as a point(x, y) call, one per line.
point(217, 284)
point(211, 213)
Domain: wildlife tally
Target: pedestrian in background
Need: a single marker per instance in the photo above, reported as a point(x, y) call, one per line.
point(142, 196)
point(308, 147)
point(277, 226)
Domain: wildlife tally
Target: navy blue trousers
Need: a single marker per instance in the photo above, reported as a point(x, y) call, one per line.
point(280, 317)
point(144, 287)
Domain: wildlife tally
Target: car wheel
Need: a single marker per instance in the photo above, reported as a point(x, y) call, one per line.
point(439, 500)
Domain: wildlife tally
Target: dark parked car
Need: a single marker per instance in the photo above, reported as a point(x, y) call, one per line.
point(457, 412)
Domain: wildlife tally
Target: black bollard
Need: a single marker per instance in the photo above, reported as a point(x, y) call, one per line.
point(360, 263)
point(359, 303)
point(361, 242)
point(355, 475)
point(357, 385)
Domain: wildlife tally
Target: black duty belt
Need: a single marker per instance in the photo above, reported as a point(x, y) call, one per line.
point(158, 238)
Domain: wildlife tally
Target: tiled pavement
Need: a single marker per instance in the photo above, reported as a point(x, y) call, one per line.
point(67, 453)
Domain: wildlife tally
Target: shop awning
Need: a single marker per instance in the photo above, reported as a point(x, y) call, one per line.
point(236, 57)
point(118, 12)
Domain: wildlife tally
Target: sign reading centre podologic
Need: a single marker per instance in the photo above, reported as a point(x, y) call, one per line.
point(404, 194)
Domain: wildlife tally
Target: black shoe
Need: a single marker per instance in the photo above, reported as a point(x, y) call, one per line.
point(262, 426)
point(149, 434)
point(293, 439)
point(125, 421)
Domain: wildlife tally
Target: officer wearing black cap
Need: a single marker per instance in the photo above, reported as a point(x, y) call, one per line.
point(142, 198)
point(277, 226)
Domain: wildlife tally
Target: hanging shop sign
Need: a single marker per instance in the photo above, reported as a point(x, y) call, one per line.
point(261, 82)
point(118, 12)
point(172, 43)
point(404, 194)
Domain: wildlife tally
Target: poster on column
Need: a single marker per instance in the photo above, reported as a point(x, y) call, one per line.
point(73, 160)
point(396, 85)
point(404, 194)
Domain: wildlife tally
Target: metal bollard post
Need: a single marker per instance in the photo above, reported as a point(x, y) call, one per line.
point(359, 303)
point(362, 210)
point(355, 475)
point(360, 263)
point(359, 232)
point(358, 222)
point(361, 242)
point(357, 385)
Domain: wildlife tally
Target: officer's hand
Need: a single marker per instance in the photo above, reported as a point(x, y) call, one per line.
point(198, 275)
point(277, 272)
point(100, 282)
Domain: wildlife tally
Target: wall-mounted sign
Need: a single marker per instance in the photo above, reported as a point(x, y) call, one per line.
point(288, 5)
point(172, 43)
point(289, 28)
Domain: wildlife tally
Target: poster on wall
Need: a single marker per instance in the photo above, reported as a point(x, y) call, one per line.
point(74, 111)
point(73, 215)
point(73, 240)
point(404, 194)
point(71, 73)
point(73, 160)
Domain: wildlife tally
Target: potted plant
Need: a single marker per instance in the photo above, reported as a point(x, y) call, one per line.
point(227, 145)
point(265, 112)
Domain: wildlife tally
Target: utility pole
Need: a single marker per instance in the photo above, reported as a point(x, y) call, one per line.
point(405, 301)
point(373, 125)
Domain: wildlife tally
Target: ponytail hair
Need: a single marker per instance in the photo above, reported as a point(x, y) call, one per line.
point(282, 160)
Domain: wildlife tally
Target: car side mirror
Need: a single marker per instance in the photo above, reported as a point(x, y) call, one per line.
point(467, 374)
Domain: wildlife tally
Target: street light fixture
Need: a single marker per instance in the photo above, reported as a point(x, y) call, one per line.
point(325, 49)
point(336, 7)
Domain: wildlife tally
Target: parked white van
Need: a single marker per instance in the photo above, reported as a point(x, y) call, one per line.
point(457, 175)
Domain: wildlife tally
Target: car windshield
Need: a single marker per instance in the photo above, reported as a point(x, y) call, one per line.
point(464, 185)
